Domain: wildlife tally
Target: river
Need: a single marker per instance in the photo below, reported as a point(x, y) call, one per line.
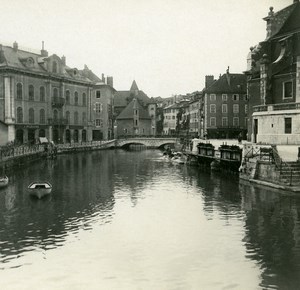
point(132, 220)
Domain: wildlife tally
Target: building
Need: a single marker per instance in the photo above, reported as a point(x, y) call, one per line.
point(176, 118)
point(225, 106)
point(273, 80)
point(194, 119)
point(40, 96)
point(135, 113)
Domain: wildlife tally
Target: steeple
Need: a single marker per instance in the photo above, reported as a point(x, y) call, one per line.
point(134, 86)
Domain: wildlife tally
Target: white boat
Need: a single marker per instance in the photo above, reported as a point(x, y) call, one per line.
point(40, 189)
point(3, 181)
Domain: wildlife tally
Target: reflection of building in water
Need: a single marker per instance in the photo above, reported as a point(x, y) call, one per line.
point(272, 235)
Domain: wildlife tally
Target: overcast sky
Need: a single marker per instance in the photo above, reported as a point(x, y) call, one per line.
point(167, 46)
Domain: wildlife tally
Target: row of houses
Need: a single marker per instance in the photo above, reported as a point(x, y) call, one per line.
point(41, 96)
point(262, 103)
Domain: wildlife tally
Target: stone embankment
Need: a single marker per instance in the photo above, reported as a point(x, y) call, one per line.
point(11, 156)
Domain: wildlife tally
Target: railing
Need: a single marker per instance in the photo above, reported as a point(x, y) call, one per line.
point(279, 163)
point(276, 107)
point(59, 121)
point(10, 151)
point(58, 102)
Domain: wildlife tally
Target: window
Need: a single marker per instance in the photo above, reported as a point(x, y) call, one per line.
point(68, 97)
point(31, 93)
point(236, 121)
point(76, 118)
point(76, 99)
point(98, 94)
point(212, 108)
point(212, 121)
point(19, 91)
point(235, 108)
point(42, 116)
point(135, 112)
point(246, 97)
point(42, 94)
point(224, 108)
point(136, 122)
point(55, 92)
point(287, 90)
point(224, 121)
point(55, 115)
point(99, 122)
point(31, 116)
point(212, 97)
point(19, 115)
point(84, 99)
point(54, 67)
point(287, 125)
point(68, 117)
point(98, 107)
point(235, 97)
point(224, 97)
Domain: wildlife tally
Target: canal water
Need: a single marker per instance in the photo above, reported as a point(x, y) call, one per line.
point(132, 220)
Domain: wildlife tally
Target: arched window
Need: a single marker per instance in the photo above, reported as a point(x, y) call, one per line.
point(84, 118)
point(31, 116)
point(68, 97)
point(76, 99)
point(19, 115)
point(42, 116)
point(19, 91)
point(76, 118)
point(55, 115)
point(31, 93)
point(84, 99)
point(42, 94)
point(68, 117)
point(55, 92)
point(54, 67)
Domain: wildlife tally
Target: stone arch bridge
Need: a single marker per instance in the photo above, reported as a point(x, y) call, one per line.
point(148, 142)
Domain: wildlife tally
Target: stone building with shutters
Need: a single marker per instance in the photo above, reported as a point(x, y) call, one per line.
point(273, 80)
point(40, 96)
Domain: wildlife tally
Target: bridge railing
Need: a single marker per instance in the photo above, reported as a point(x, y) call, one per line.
point(149, 136)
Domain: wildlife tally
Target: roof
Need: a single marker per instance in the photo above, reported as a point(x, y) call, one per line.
point(134, 86)
point(122, 98)
point(127, 113)
point(22, 60)
point(229, 83)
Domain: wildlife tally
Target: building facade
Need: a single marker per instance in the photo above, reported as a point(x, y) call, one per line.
point(40, 96)
point(273, 78)
point(225, 107)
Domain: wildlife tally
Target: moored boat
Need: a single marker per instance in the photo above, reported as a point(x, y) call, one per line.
point(3, 181)
point(40, 189)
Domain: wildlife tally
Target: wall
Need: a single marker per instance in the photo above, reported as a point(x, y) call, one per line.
point(3, 134)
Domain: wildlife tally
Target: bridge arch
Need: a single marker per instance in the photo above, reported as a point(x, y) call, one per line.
point(148, 142)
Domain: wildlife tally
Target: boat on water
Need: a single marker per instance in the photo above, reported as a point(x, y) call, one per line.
point(3, 181)
point(39, 189)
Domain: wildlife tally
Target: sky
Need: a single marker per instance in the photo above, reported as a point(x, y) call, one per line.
point(167, 46)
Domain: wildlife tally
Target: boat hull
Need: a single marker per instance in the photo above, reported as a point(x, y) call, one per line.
point(40, 193)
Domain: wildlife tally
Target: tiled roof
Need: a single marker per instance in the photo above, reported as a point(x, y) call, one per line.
point(127, 113)
point(228, 83)
point(36, 63)
point(134, 86)
point(121, 97)
point(291, 21)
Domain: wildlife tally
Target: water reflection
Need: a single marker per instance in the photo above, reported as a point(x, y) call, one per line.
point(176, 225)
point(272, 235)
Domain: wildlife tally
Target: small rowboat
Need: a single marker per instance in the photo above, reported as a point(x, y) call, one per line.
point(3, 181)
point(40, 189)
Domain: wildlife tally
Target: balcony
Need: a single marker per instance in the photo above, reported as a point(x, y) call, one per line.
point(58, 121)
point(57, 102)
point(277, 107)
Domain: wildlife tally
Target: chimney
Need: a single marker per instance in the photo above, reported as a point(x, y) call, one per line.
point(63, 59)
point(209, 80)
point(271, 25)
point(228, 76)
point(110, 81)
point(103, 78)
point(2, 57)
point(44, 52)
point(15, 46)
